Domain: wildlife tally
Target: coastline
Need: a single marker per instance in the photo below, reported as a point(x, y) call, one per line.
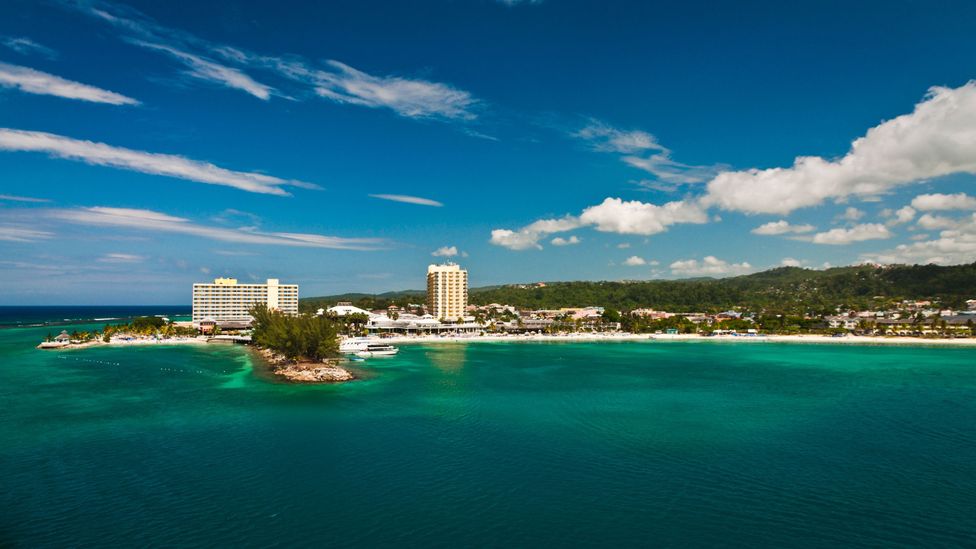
point(621, 337)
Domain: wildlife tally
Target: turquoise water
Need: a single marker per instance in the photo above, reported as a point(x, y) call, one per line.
point(491, 444)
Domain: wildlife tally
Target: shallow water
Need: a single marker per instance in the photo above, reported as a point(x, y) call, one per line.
point(650, 443)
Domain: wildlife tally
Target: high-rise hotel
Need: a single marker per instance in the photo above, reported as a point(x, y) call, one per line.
point(227, 301)
point(447, 291)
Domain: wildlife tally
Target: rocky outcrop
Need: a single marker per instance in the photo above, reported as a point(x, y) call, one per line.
point(327, 371)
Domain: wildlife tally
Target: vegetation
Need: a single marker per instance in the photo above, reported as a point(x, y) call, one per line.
point(146, 326)
point(785, 291)
point(302, 337)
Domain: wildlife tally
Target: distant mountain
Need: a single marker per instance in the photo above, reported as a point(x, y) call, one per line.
point(786, 289)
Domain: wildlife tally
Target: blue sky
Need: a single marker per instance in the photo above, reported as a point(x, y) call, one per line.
point(147, 145)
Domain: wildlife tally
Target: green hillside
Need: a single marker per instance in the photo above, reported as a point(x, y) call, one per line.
point(785, 289)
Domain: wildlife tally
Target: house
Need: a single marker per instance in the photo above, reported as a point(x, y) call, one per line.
point(63, 337)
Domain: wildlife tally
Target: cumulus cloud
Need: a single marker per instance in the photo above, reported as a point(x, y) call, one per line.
point(408, 199)
point(101, 154)
point(560, 241)
point(152, 221)
point(635, 261)
point(782, 227)
point(528, 237)
point(899, 216)
point(938, 138)
point(929, 221)
point(851, 214)
point(938, 201)
point(857, 233)
point(613, 215)
point(955, 245)
point(708, 266)
point(445, 251)
point(41, 83)
point(790, 262)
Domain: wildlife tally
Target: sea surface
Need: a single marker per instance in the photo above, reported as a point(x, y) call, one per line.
point(664, 444)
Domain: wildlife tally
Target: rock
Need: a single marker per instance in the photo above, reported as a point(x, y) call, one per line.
point(327, 371)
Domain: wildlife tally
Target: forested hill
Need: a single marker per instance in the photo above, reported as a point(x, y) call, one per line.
point(787, 289)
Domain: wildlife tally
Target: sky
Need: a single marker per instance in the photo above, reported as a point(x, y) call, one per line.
point(344, 146)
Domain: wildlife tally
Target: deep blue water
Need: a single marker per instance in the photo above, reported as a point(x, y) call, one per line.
point(15, 315)
point(491, 444)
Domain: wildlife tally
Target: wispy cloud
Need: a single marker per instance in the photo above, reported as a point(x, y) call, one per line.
point(642, 150)
point(408, 199)
point(11, 233)
point(15, 198)
point(26, 46)
point(299, 78)
point(33, 81)
point(407, 97)
point(101, 154)
point(121, 258)
point(148, 220)
point(209, 70)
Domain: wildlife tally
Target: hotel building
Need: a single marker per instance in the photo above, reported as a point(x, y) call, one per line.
point(447, 291)
point(226, 301)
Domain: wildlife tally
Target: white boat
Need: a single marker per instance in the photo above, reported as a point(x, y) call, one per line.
point(377, 349)
point(366, 347)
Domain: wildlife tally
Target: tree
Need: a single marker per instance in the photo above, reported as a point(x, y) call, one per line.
point(299, 337)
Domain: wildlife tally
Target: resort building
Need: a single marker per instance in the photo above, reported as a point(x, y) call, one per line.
point(226, 303)
point(447, 291)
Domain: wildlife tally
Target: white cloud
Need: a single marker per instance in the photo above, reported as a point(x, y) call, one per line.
point(929, 221)
point(101, 154)
point(851, 214)
point(21, 234)
point(528, 237)
point(955, 245)
point(208, 70)
point(148, 220)
point(635, 261)
point(782, 227)
point(445, 251)
point(15, 198)
point(623, 245)
point(26, 46)
point(790, 262)
point(857, 233)
point(899, 216)
point(409, 98)
point(121, 258)
point(615, 215)
point(938, 138)
point(938, 201)
point(708, 266)
point(609, 139)
point(408, 199)
point(560, 241)
point(658, 161)
point(32, 81)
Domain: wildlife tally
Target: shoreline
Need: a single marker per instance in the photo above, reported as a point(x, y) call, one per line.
point(587, 338)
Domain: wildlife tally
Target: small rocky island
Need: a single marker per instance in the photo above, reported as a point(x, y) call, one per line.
point(323, 371)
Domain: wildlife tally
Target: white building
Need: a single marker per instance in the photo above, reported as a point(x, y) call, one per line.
point(447, 291)
point(227, 301)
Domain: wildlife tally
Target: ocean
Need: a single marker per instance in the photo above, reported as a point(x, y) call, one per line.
point(672, 444)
